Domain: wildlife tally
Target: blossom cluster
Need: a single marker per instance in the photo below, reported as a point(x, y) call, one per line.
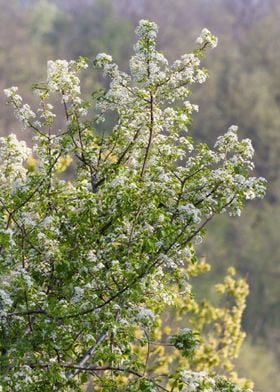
point(202, 382)
point(13, 153)
point(23, 112)
point(186, 341)
point(206, 38)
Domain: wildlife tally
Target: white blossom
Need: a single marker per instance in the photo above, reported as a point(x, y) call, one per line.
point(102, 58)
point(145, 314)
point(207, 38)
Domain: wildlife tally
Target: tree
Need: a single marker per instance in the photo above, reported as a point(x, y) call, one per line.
point(88, 266)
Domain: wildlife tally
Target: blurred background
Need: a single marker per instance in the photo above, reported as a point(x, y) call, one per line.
point(243, 89)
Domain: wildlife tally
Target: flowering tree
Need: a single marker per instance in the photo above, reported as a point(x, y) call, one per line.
point(87, 266)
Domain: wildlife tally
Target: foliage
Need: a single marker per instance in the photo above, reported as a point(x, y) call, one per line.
point(243, 88)
point(86, 265)
point(216, 334)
